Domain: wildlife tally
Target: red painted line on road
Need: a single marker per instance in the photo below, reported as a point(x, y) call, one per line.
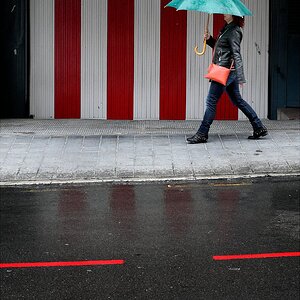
point(256, 256)
point(62, 264)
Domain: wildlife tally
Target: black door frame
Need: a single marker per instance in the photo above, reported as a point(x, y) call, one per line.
point(283, 26)
point(277, 56)
point(15, 58)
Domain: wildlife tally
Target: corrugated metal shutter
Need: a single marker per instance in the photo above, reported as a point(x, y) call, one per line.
point(94, 59)
point(255, 57)
point(42, 59)
point(120, 59)
point(197, 86)
point(225, 108)
point(146, 59)
point(255, 47)
point(67, 58)
point(143, 93)
point(173, 37)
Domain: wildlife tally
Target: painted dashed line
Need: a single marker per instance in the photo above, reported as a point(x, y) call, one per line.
point(61, 264)
point(256, 256)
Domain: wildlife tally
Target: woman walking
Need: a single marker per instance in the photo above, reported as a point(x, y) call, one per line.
point(227, 50)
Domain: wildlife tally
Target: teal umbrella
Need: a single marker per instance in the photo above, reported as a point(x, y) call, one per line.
point(230, 7)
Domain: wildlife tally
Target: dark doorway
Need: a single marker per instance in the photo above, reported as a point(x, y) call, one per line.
point(293, 55)
point(14, 59)
point(284, 56)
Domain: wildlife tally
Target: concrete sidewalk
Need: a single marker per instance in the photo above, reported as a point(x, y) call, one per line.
point(45, 151)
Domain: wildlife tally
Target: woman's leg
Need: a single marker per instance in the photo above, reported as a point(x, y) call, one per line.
point(259, 129)
point(236, 98)
point(215, 92)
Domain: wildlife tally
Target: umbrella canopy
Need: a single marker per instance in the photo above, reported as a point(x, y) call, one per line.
point(230, 7)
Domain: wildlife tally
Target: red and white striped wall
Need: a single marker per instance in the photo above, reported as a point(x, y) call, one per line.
point(133, 59)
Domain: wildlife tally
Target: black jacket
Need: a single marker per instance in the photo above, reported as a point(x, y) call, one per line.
point(227, 48)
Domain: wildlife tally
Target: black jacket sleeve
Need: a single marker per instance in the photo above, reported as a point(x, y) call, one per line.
point(234, 43)
point(211, 42)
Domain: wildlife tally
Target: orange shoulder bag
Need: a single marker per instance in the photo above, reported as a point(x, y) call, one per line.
point(218, 73)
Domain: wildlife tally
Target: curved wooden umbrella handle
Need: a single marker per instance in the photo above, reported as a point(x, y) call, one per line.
point(203, 50)
point(204, 42)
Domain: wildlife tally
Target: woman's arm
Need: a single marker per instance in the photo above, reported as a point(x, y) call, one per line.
point(235, 44)
point(210, 41)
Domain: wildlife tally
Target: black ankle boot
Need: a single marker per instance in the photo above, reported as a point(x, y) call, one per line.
point(257, 133)
point(197, 138)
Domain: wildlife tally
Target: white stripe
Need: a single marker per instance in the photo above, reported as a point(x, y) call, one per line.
point(255, 40)
point(196, 85)
point(146, 59)
point(42, 59)
point(93, 59)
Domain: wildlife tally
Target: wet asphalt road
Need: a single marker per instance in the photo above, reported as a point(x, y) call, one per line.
point(167, 235)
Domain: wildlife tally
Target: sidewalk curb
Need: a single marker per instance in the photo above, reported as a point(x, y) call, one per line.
point(147, 180)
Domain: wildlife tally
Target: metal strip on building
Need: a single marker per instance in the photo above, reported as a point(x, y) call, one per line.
point(67, 58)
point(173, 37)
point(93, 59)
point(120, 59)
point(255, 48)
point(196, 85)
point(225, 108)
point(146, 59)
point(42, 59)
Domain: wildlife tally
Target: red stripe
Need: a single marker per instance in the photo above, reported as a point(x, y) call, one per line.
point(120, 65)
point(225, 109)
point(256, 256)
point(62, 264)
point(172, 63)
point(67, 58)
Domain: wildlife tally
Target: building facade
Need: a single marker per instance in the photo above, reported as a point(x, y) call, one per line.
point(134, 60)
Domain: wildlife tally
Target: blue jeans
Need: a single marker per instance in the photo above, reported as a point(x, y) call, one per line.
point(215, 92)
